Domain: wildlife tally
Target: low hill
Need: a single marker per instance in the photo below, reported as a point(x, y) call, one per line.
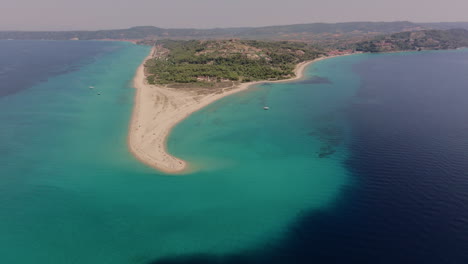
point(209, 63)
point(446, 25)
point(418, 40)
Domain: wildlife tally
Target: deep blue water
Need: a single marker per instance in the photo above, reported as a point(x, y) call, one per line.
point(25, 63)
point(409, 158)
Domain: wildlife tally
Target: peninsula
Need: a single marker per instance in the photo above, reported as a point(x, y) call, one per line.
point(161, 102)
point(180, 77)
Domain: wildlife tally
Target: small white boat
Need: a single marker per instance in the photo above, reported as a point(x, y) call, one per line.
point(266, 107)
point(91, 87)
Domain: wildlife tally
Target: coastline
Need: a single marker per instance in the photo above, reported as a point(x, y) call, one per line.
point(158, 109)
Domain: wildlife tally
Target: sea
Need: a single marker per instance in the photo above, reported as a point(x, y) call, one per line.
point(365, 160)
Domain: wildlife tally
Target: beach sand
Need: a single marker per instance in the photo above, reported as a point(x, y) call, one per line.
point(158, 109)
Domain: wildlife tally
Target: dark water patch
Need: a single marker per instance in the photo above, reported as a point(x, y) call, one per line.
point(331, 136)
point(326, 151)
point(315, 80)
point(330, 131)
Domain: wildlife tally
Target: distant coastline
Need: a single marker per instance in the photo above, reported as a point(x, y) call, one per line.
point(158, 109)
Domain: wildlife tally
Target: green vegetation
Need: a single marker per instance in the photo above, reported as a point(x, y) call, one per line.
point(418, 40)
point(214, 61)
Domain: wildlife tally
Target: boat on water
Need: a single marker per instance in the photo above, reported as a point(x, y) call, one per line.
point(91, 87)
point(266, 108)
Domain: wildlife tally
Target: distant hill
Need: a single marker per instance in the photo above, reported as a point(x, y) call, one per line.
point(324, 30)
point(299, 32)
point(446, 25)
point(418, 40)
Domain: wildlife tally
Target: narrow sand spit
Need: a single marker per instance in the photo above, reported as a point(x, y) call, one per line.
point(158, 109)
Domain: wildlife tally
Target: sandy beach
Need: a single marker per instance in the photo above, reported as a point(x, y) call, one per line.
point(158, 109)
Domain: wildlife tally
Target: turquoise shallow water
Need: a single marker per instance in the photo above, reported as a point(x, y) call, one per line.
point(261, 169)
point(70, 192)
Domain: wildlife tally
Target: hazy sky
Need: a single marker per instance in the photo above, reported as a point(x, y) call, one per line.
point(110, 14)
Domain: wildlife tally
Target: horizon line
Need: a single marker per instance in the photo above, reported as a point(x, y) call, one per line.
point(240, 27)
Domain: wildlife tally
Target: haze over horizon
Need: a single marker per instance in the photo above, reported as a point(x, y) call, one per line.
point(115, 14)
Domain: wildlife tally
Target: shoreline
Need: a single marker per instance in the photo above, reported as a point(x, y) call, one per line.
point(158, 109)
